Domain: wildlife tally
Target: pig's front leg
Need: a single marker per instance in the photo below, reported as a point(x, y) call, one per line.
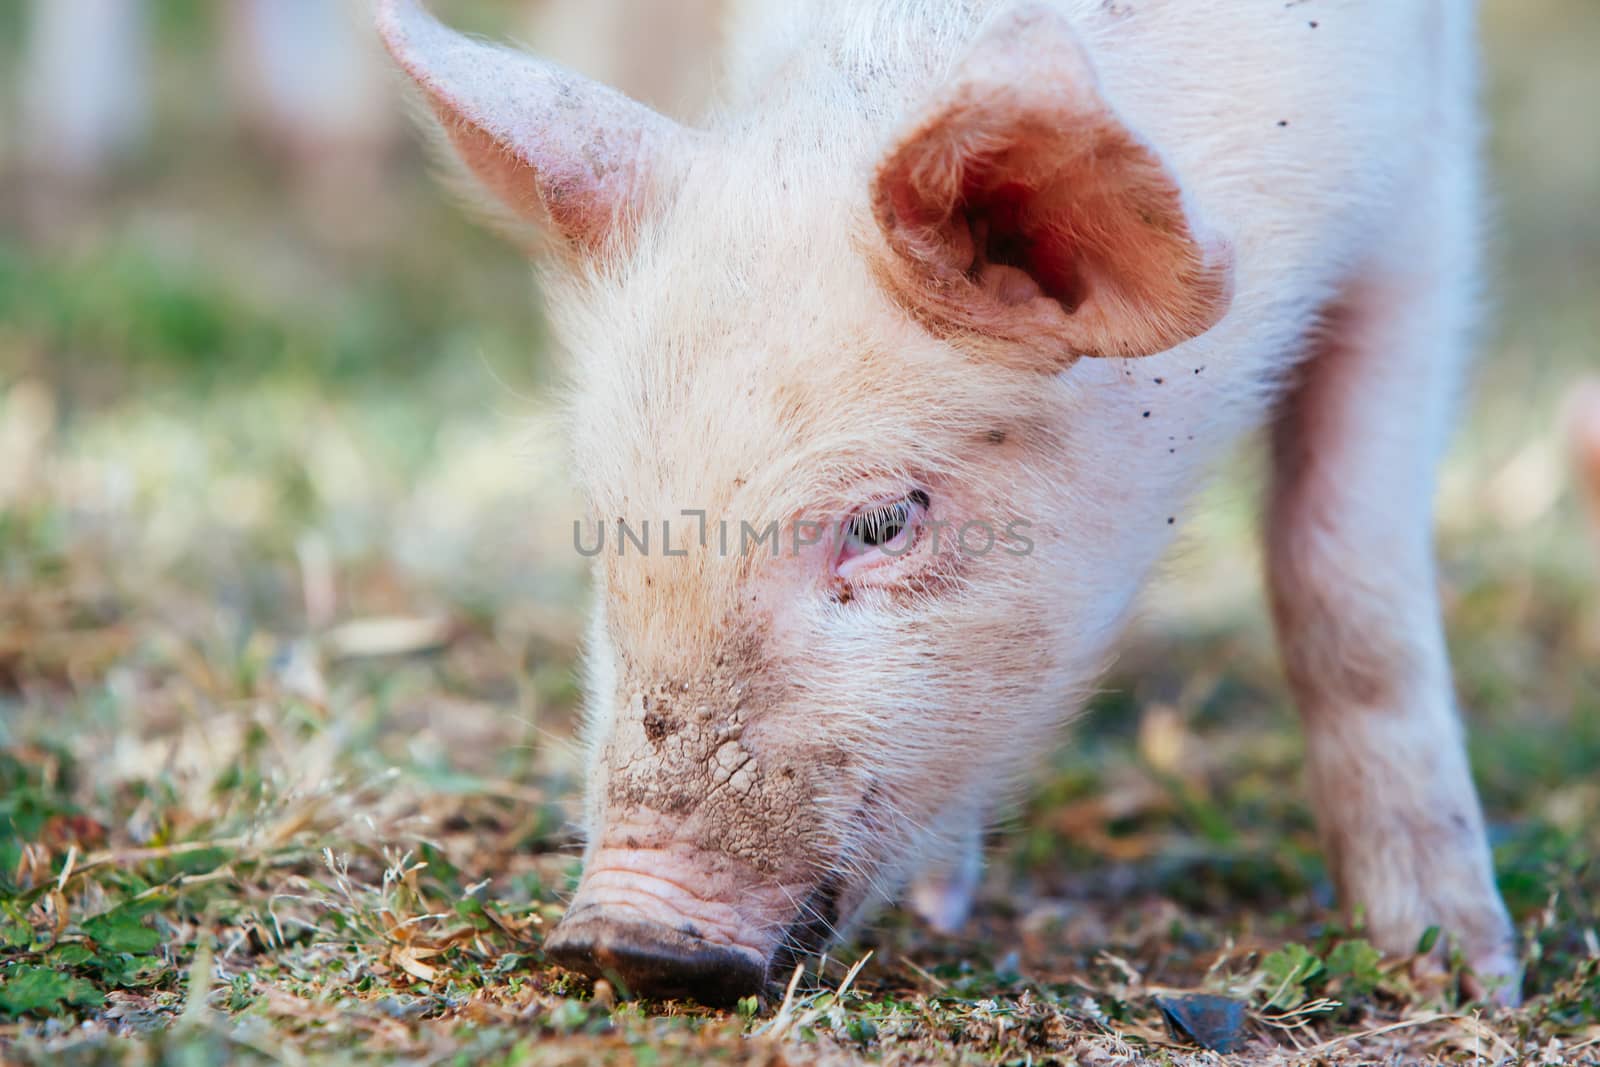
point(942, 895)
point(1355, 601)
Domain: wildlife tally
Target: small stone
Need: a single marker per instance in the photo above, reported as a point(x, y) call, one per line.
point(1212, 1022)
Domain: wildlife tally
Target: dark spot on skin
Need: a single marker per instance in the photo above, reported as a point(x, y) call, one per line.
point(1197, 370)
point(656, 727)
point(1171, 451)
point(1283, 122)
point(996, 437)
point(1313, 23)
point(1171, 519)
point(1147, 414)
point(1161, 381)
point(843, 595)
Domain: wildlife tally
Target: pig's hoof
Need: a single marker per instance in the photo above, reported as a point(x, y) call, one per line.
point(944, 904)
point(1494, 977)
point(655, 961)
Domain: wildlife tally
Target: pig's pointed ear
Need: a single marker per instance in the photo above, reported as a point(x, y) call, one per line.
point(1019, 209)
point(577, 159)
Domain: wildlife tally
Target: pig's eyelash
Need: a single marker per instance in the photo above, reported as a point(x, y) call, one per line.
point(880, 533)
point(881, 525)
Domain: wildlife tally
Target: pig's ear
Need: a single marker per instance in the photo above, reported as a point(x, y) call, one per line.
point(575, 158)
point(1018, 208)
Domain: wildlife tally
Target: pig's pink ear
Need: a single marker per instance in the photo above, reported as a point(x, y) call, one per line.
point(1018, 208)
point(571, 156)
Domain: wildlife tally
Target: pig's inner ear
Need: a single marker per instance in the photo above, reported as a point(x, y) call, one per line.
point(568, 155)
point(1019, 208)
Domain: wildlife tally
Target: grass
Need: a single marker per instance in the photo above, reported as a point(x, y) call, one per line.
point(237, 825)
point(288, 619)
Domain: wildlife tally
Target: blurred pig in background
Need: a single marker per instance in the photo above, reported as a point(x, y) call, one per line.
point(306, 82)
point(1584, 424)
point(304, 77)
point(85, 87)
point(311, 86)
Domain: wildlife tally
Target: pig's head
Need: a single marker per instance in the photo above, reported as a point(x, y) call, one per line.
point(864, 333)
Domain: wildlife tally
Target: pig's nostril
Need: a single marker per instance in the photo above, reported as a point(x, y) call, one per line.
point(655, 961)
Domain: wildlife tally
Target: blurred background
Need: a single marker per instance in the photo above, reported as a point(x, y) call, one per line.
point(277, 458)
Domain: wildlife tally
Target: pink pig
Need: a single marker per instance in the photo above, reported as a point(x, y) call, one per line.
point(1583, 422)
point(1019, 274)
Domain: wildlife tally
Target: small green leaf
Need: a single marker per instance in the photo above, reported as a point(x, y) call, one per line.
point(121, 930)
point(43, 991)
point(73, 954)
point(748, 1006)
point(1429, 938)
point(473, 911)
point(15, 930)
point(507, 963)
point(1355, 965)
point(568, 1015)
point(241, 993)
point(130, 972)
point(1288, 970)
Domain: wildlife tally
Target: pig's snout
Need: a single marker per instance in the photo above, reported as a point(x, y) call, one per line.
point(648, 959)
point(673, 921)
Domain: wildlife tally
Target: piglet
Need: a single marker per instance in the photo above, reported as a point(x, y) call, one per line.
point(891, 381)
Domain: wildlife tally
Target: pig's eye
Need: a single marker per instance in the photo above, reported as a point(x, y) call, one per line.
point(881, 531)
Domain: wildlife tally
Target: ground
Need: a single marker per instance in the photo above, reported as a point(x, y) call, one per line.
point(289, 613)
